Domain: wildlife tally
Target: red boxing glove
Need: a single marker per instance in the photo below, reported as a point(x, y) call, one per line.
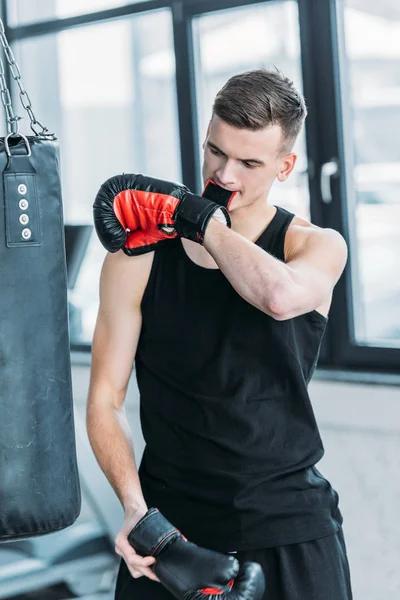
point(135, 213)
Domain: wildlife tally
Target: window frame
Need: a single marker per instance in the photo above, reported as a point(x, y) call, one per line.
point(321, 39)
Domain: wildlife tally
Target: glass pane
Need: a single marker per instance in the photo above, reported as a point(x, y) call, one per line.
point(22, 12)
point(236, 40)
point(371, 65)
point(112, 110)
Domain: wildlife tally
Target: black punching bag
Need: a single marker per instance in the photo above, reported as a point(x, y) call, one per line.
point(39, 484)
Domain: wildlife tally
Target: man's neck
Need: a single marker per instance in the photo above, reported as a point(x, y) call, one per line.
point(251, 221)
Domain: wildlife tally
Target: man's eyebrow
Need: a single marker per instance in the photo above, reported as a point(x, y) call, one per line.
point(256, 161)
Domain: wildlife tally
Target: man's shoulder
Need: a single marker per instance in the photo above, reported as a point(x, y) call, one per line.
point(126, 276)
point(301, 231)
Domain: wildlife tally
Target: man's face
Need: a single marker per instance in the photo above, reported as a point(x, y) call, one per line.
point(245, 161)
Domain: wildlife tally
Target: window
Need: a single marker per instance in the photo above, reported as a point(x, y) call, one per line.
point(133, 92)
point(371, 69)
point(113, 109)
point(25, 12)
point(231, 41)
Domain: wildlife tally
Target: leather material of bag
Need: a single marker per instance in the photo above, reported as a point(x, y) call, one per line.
point(39, 482)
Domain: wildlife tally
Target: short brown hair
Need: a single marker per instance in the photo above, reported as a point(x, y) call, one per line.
point(261, 98)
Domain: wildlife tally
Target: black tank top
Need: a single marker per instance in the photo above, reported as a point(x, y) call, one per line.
point(231, 437)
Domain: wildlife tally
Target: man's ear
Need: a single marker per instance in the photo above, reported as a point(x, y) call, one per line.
point(207, 134)
point(287, 166)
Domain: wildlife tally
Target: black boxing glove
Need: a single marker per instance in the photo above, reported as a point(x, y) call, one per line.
point(217, 194)
point(135, 213)
point(190, 572)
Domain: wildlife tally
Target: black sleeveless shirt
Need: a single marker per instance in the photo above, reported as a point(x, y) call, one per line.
point(231, 437)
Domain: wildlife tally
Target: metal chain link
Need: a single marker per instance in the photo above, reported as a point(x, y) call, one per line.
point(12, 119)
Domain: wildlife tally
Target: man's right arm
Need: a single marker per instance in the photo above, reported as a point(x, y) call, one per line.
point(122, 283)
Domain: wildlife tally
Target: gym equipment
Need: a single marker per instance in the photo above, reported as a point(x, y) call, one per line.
point(39, 483)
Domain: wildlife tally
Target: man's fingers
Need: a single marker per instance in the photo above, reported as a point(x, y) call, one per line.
point(124, 549)
point(137, 561)
point(138, 566)
point(149, 573)
point(142, 572)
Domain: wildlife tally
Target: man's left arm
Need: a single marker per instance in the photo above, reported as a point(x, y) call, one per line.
point(281, 290)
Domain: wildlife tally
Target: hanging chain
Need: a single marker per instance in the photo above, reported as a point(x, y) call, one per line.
point(12, 119)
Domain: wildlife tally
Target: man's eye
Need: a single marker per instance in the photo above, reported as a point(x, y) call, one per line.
point(249, 165)
point(215, 151)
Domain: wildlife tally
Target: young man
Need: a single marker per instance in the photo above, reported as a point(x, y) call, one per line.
point(225, 335)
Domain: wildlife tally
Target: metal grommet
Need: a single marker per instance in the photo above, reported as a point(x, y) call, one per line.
point(24, 219)
point(23, 204)
point(22, 189)
point(26, 234)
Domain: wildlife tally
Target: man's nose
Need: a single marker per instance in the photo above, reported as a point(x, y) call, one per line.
point(226, 173)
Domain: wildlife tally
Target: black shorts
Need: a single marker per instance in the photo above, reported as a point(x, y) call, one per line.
point(316, 570)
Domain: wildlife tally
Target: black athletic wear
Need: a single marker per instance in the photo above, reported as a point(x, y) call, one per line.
point(231, 438)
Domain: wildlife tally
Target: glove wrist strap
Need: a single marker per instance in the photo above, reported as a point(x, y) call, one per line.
point(152, 533)
point(193, 215)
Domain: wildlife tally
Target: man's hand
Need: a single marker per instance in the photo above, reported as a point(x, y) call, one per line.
point(139, 566)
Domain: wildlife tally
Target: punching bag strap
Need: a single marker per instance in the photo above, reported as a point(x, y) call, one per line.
point(21, 198)
point(22, 227)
